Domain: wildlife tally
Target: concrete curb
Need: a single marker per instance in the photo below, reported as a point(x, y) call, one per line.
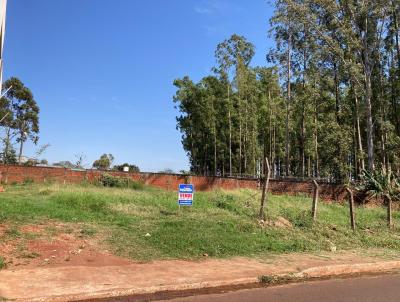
point(171, 291)
point(332, 271)
point(350, 269)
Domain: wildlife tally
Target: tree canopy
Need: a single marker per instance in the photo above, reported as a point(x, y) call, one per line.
point(104, 162)
point(327, 106)
point(19, 116)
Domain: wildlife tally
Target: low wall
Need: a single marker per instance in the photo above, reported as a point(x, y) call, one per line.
point(19, 174)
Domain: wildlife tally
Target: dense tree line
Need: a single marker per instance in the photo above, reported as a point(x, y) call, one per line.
point(329, 107)
point(231, 118)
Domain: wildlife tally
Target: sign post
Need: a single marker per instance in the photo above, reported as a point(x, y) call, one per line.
point(185, 195)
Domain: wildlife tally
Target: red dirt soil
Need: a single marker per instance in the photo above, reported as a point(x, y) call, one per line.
point(52, 245)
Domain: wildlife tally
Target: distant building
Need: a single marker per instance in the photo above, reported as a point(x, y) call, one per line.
point(25, 159)
point(3, 9)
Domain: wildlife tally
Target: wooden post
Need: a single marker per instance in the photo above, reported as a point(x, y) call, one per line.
point(65, 176)
point(351, 204)
point(267, 174)
point(389, 210)
point(315, 201)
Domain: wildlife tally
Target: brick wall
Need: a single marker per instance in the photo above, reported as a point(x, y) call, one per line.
point(18, 174)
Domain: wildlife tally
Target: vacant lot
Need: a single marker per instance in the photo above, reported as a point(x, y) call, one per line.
point(146, 224)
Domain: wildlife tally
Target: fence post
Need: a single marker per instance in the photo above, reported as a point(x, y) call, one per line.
point(351, 204)
point(389, 210)
point(267, 174)
point(315, 201)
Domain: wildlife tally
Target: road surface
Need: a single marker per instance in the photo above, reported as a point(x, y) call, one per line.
point(384, 288)
point(368, 289)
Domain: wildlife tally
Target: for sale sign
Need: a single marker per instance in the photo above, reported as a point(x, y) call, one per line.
point(185, 197)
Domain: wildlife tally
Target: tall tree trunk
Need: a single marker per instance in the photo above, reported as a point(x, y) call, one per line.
point(303, 155)
point(337, 93)
point(264, 196)
point(6, 146)
point(315, 201)
point(240, 142)
point(21, 147)
point(355, 151)
point(394, 88)
point(351, 205)
point(273, 162)
point(396, 32)
point(245, 146)
point(288, 101)
point(315, 134)
point(270, 126)
point(368, 96)
point(393, 93)
point(230, 128)
point(230, 142)
point(215, 138)
point(358, 130)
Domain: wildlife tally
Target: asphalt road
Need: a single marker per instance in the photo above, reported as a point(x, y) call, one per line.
point(367, 289)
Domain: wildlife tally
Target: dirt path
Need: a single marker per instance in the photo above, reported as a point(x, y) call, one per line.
point(65, 283)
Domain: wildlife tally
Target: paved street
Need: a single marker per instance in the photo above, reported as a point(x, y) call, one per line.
point(366, 289)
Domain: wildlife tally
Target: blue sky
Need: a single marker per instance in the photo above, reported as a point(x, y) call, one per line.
point(102, 70)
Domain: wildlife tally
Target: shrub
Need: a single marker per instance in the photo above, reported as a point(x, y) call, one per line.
point(28, 181)
point(378, 184)
point(111, 181)
point(223, 201)
point(2, 263)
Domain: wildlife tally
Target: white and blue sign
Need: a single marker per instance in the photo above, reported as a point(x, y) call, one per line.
point(185, 197)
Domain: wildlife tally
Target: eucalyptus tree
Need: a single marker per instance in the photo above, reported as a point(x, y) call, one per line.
point(329, 108)
point(269, 113)
point(283, 29)
point(104, 162)
point(22, 122)
point(235, 53)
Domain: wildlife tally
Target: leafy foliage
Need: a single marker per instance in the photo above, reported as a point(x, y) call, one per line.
point(328, 108)
point(19, 115)
point(377, 184)
point(104, 162)
point(132, 168)
point(224, 117)
point(23, 111)
point(2, 263)
point(111, 181)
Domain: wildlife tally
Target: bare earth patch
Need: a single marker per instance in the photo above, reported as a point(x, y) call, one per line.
point(53, 244)
point(71, 283)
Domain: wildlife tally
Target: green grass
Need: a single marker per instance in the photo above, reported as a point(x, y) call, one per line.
point(220, 224)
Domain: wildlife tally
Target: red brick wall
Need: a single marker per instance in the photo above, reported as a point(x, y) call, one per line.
point(17, 174)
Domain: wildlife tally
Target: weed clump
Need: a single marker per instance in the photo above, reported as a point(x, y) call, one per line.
point(111, 181)
point(2, 263)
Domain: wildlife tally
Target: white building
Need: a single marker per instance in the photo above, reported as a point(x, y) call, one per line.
point(3, 9)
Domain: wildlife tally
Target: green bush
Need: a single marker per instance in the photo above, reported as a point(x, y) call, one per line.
point(2, 263)
point(225, 202)
point(111, 181)
point(28, 181)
